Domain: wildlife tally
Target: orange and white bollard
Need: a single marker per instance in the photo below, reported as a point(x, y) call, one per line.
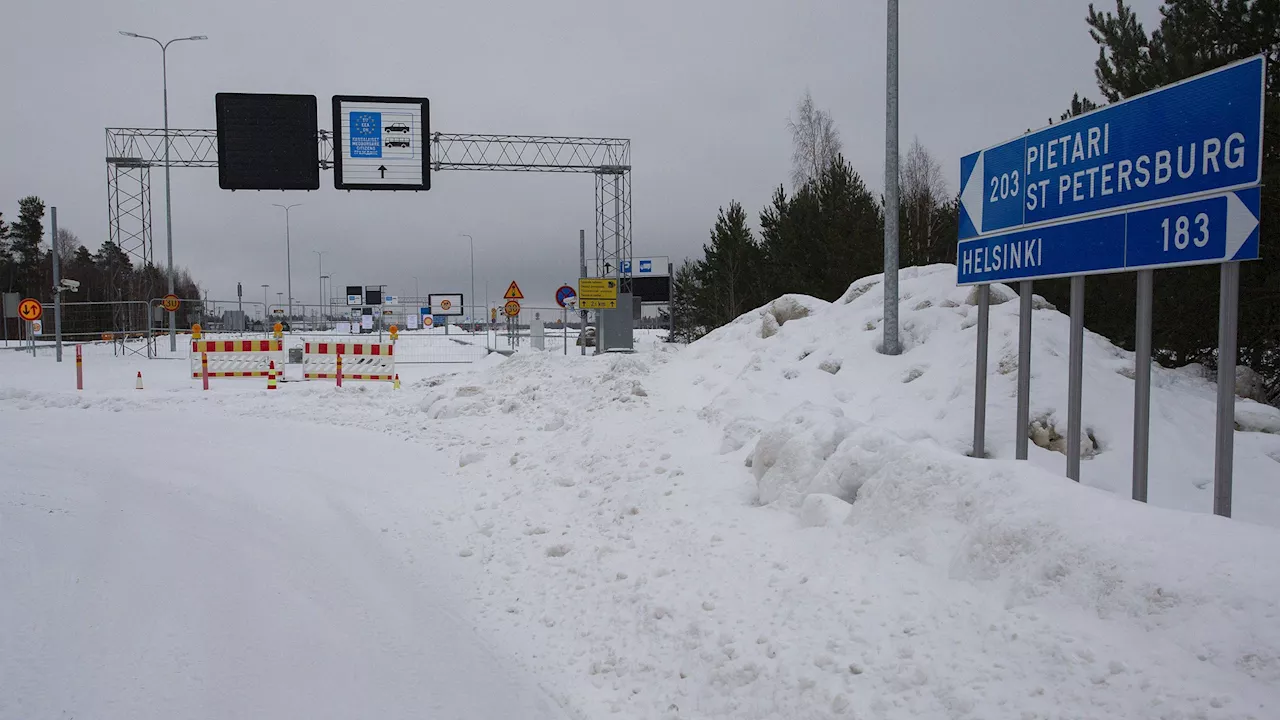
point(138, 385)
point(397, 381)
point(79, 368)
point(339, 373)
point(271, 376)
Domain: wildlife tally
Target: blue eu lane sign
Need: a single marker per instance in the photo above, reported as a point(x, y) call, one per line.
point(1194, 139)
point(366, 135)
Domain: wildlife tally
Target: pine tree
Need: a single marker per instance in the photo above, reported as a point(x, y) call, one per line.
point(732, 266)
point(6, 256)
point(26, 235)
point(1195, 36)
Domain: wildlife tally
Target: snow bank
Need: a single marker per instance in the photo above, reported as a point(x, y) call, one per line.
point(757, 369)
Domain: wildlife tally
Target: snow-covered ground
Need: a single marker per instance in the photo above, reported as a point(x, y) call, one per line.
point(667, 534)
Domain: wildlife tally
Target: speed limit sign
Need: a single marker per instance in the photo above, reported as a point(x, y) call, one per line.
point(170, 302)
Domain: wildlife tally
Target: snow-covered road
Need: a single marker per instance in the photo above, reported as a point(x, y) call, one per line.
point(246, 582)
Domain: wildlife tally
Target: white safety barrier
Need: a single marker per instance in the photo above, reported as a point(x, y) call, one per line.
point(360, 361)
point(237, 358)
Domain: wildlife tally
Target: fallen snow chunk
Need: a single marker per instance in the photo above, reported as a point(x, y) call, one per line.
point(468, 391)
point(822, 510)
point(470, 458)
point(830, 365)
point(558, 551)
point(1256, 417)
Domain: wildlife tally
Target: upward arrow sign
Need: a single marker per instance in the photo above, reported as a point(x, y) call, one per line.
point(382, 171)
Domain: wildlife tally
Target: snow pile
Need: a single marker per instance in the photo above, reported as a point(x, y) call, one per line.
point(750, 373)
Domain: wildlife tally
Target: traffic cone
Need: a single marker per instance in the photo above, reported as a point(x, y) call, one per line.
point(139, 383)
point(397, 381)
point(271, 376)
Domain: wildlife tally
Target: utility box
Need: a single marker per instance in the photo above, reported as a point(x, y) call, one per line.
point(295, 356)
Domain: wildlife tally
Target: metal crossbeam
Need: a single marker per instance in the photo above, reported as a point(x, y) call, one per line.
point(531, 153)
point(534, 153)
point(187, 148)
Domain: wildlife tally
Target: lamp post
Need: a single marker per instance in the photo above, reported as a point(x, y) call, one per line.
point(288, 261)
point(168, 205)
point(265, 303)
point(471, 244)
point(320, 255)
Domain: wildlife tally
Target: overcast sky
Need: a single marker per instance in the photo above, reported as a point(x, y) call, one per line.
point(702, 88)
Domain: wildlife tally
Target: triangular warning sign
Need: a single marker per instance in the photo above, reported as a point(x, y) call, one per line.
point(513, 292)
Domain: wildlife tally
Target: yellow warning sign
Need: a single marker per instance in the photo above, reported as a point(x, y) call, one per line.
point(597, 289)
point(597, 304)
point(513, 292)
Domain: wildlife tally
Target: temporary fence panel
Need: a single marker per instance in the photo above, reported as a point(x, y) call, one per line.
point(360, 361)
point(237, 358)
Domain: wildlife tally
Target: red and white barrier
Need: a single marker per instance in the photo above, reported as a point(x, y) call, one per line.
point(236, 358)
point(360, 361)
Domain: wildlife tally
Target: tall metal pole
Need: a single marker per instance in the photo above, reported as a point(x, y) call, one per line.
point(1024, 370)
point(168, 204)
point(471, 243)
point(57, 282)
point(168, 196)
point(582, 268)
point(320, 256)
point(1224, 439)
point(288, 255)
point(980, 376)
point(1075, 377)
point(265, 302)
point(1142, 385)
point(890, 341)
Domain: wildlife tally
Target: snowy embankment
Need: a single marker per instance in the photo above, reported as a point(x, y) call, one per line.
point(775, 522)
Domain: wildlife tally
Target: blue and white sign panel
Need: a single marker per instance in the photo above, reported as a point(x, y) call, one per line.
point(655, 266)
point(1191, 139)
point(381, 143)
point(1213, 229)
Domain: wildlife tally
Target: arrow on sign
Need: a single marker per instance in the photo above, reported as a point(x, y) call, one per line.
point(971, 196)
point(1240, 225)
point(382, 171)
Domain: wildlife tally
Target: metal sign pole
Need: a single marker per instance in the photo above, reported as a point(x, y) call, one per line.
point(1024, 369)
point(582, 263)
point(890, 340)
point(1075, 377)
point(1224, 445)
point(980, 378)
point(57, 283)
point(1142, 385)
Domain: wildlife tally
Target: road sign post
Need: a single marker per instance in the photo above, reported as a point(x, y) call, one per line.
point(1164, 179)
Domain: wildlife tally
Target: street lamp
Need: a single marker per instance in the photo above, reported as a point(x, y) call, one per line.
point(168, 205)
point(471, 244)
point(265, 302)
point(324, 299)
point(320, 255)
point(288, 260)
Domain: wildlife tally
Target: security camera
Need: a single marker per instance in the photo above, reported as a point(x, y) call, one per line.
point(72, 285)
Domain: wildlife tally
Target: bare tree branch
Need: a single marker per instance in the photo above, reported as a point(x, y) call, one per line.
point(815, 141)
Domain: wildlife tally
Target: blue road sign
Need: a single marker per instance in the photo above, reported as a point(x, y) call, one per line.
point(1208, 230)
point(366, 134)
point(646, 266)
point(564, 294)
point(626, 267)
point(1192, 138)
